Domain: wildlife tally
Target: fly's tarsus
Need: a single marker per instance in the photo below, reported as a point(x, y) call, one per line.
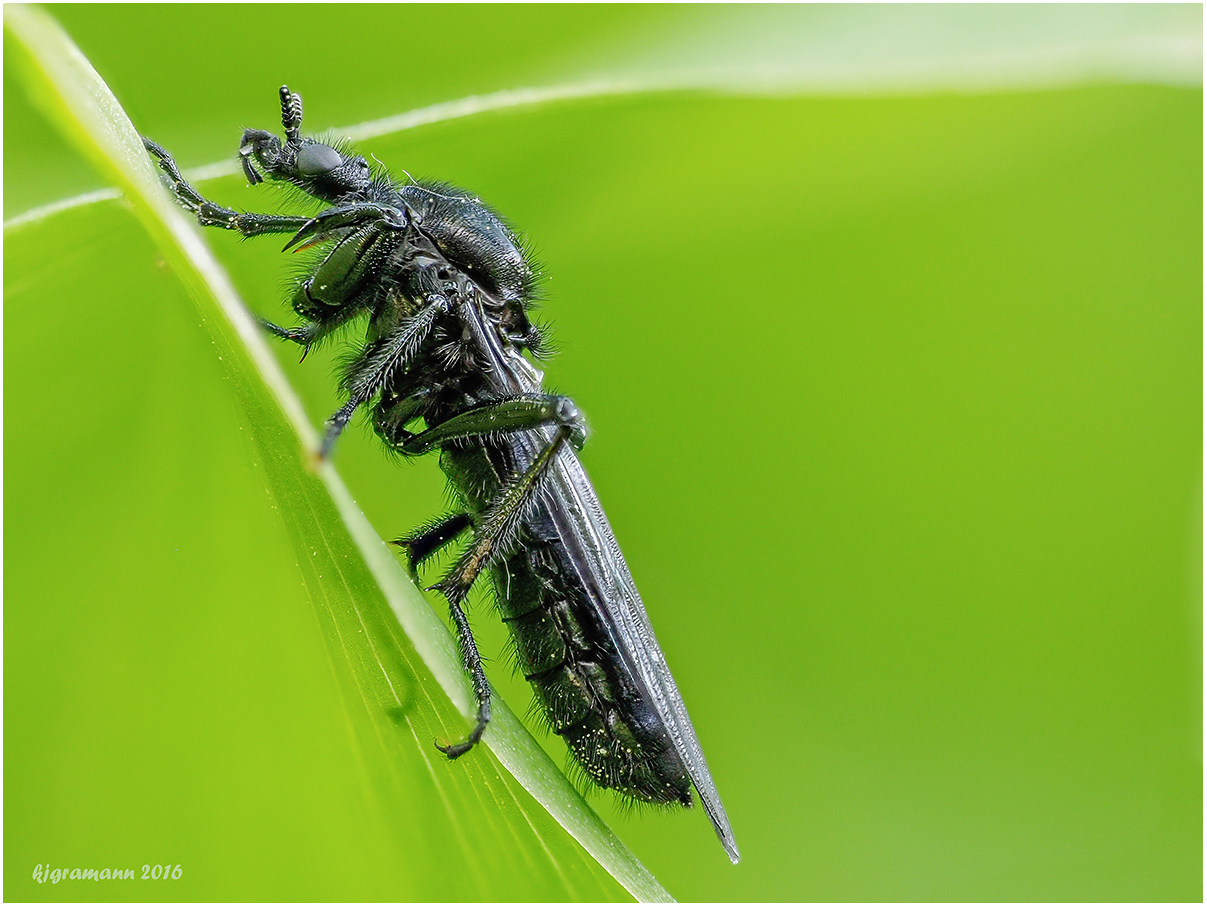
point(448, 290)
point(473, 664)
point(303, 335)
point(210, 214)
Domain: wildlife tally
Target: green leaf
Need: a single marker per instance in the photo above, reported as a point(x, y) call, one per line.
point(889, 334)
point(353, 580)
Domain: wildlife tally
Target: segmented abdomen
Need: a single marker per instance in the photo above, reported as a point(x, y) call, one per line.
point(577, 675)
point(588, 696)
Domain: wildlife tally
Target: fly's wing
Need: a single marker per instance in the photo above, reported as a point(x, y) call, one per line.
point(580, 521)
point(574, 508)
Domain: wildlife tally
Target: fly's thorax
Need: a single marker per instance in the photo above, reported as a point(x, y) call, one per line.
point(472, 237)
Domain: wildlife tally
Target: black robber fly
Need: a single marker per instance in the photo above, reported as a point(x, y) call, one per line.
point(447, 287)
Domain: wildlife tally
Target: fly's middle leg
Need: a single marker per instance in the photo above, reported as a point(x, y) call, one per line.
point(425, 541)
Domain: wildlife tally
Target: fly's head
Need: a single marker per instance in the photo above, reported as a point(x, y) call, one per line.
point(321, 170)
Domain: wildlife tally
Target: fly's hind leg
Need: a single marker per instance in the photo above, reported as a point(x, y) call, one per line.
point(493, 535)
point(507, 414)
point(497, 525)
point(496, 528)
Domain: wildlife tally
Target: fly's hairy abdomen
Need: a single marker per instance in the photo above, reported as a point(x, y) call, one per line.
point(572, 666)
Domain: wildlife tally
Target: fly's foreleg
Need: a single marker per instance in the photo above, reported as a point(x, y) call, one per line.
point(498, 525)
point(326, 223)
point(303, 335)
point(211, 214)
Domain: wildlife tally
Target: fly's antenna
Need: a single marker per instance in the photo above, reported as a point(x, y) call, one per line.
point(291, 114)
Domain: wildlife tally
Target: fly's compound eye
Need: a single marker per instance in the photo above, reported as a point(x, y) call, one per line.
point(316, 160)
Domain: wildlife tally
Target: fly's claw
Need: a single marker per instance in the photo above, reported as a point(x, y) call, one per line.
point(454, 750)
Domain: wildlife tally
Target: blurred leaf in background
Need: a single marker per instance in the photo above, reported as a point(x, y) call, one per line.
point(888, 325)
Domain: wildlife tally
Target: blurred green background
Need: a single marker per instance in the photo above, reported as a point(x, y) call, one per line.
point(896, 401)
